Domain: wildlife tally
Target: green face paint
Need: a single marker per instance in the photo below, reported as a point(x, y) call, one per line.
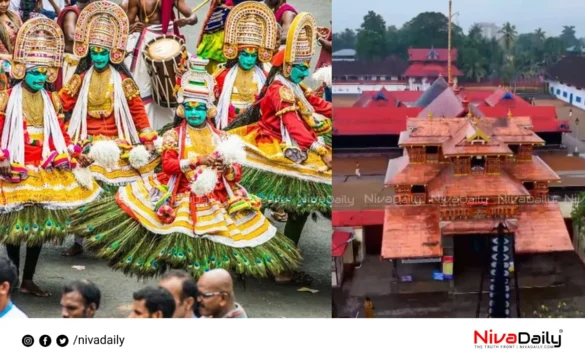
point(195, 113)
point(36, 78)
point(100, 57)
point(247, 59)
point(299, 72)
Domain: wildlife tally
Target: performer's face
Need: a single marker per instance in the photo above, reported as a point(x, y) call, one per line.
point(248, 58)
point(299, 72)
point(195, 113)
point(100, 57)
point(36, 78)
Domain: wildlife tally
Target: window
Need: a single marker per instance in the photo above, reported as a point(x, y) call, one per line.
point(578, 99)
point(564, 94)
point(432, 150)
point(552, 90)
point(417, 189)
point(529, 185)
point(558, 92)
point(477, 163)
point(514, 148)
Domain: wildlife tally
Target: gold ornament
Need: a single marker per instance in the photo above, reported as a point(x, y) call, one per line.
point(245, 86)
point(33, 107)
point(100, 100)
point(181, 111)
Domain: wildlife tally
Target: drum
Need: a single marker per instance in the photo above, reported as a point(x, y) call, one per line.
point(164, 57)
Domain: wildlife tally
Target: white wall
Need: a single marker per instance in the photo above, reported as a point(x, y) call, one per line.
point(353, 88)
point(565, 93)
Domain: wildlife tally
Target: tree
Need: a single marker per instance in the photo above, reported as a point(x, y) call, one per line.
point(568, 36)
point(430, 29)
point(509, 34)
point(561, 310)
point(540, 36)
point(371, 38)
point(473, 65)
point(344, 40)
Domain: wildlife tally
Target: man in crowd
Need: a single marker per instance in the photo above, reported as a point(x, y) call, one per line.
point(80, 299)
point(216, 296)
point(285, 14)
point(8, 277)
point(183, 288)
point(152, 302)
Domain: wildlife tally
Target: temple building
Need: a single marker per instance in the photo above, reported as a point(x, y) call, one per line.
point(458, 178)
point(427, 65)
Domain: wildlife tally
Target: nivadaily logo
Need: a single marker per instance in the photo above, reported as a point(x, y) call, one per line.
point(516, 340)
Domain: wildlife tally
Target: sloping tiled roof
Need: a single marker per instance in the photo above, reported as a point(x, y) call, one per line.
point(339, 242)
point(421, 55)
point(401, 172)
point(448, 185)
point(536, 170)
point(371, 121)
point(411, 232)
point(505, 98)
point(541, 229)
point(478, 226)
point(447, 105)
point(431, 70)
point(432, 92)
point(357, 218)
point(569, 70)
point(391, 66)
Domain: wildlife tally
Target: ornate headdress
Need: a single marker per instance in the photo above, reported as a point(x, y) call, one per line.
point(39, 42)
point(196, 84)
point(250, 24)
point(103, 24)
point(300, 41)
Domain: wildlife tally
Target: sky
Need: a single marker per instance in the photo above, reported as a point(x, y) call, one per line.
point(527, 15)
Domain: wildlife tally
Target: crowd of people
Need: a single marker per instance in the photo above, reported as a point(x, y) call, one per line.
point(178, 295)
point(155, 158)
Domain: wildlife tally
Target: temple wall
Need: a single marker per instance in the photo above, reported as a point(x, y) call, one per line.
point(349, 88)
point(564, 92)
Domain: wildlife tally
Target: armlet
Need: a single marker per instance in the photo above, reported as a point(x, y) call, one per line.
point(130, 88)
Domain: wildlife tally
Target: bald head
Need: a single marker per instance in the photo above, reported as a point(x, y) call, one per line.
point(216, 293)
point(219, 279)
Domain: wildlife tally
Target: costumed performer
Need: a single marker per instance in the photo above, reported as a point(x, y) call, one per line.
point(67, 21)
point(289, 162)
point(107, 115)
point(40, 167)
point(249, 41)
point(194, 215)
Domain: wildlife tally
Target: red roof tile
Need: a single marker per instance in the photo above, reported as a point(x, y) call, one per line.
point(400, 172)
point(485, 226)
point(541, 229)
point(536, 170)
point(411, 232)
point(506, 98)
point(371, 121)
point(430, 70)
point(357, 218)
point(339, 242)
point(422, 55)
point(447, 105)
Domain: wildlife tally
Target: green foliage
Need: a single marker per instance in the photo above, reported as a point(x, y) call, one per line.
point(578, 213)
point(560, 310)
point(508, 57)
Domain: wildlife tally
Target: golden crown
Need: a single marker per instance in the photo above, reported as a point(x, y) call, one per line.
point(103, 31)
point(300, 41)
point(250, 32)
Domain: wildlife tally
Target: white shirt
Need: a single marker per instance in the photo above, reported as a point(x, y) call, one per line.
point(47, 5)
point(12, 312)
point(14, 5)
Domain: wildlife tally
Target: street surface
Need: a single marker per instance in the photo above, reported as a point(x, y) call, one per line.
point(263, 299)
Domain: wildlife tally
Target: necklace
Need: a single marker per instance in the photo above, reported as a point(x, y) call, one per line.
point(199, 142)
point(146, 16)
point(100, 97)
point(33, 107)
point(245, 85)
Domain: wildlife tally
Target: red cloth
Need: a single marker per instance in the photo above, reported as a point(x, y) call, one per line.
point(281, 10)
point(107, 126)
point(219, 81)
point(269, 125)
point(33, 155)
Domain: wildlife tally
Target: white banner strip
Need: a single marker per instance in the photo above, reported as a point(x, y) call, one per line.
point(290, 339)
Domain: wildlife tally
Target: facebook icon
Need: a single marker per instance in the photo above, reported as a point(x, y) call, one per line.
point(45, 340)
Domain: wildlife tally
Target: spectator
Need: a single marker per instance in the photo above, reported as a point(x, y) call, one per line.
point(152, 302)
point(9, 27)
point(357, 170)
point(80, 299)
point(183, 288)
point(216, 296)
point(369, 308)
point(30, 9)
point(8, 277)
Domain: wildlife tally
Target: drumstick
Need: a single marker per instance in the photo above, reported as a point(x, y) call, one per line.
point(200, 6)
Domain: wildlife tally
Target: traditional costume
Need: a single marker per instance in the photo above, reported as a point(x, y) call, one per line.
point(190, 216)
point(104, 101)
point(70, 61)
point(9, 26)
point(284, 137)
point(45, 182)
point(250, 40)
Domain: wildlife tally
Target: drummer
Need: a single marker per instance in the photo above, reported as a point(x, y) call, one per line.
point(157, 18)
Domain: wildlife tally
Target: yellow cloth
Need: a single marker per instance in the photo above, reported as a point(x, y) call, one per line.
point(246, 228)
point(269, 157)
point(56, 189)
